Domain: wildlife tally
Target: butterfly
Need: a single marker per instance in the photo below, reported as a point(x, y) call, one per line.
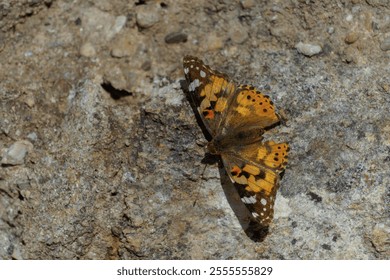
point(236, 117)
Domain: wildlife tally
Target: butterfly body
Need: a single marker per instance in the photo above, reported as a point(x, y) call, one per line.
point(236, 117)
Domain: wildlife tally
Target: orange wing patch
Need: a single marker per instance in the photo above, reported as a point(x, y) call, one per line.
point(252, 108)
point(213, 93)
point(250, 101)
point(273, 155)
point(254, 179)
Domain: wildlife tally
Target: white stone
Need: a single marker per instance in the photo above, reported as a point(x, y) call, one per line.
point(16, 153)
point(87, 50)
point(308, 49)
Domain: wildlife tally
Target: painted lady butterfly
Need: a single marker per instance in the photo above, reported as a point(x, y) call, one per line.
point(236, 118)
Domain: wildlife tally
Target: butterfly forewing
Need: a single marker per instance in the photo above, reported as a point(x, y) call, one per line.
point(210, 91)
point(250, 108)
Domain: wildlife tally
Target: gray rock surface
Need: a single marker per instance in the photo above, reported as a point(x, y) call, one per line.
point(115, 170)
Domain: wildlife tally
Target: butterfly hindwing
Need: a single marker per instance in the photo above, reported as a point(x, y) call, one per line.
point(255, 170)
point(268, 154)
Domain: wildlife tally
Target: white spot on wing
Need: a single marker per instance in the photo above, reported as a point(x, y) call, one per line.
point(202, 74)
point(186, 70)
point(254, 214)
point(193, 85)
point(263, 201)
point(249, 199)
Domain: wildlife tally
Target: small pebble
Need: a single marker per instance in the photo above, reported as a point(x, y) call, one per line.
point(119, 24)
point(32, 136)
point(214, 42)
point(380, 237)
point(87, 50)
point(16, 153)
point(238, 34)
point(176, 37)
point(351, 38)
point(350, 55)
point(28, 54)
point(385, 45)
point(147, 65)
point(349, 17)
point(308, 49)
point(119, 52)
point(30, 101)
point(330, 30)
point(247, 4)
point(147, 15)
point(127, 177)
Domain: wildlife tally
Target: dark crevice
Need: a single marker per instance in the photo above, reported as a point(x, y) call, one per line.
point(115, 93)
point(315, 197)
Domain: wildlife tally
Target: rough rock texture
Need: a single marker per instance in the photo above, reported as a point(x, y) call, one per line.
point(111, 166)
